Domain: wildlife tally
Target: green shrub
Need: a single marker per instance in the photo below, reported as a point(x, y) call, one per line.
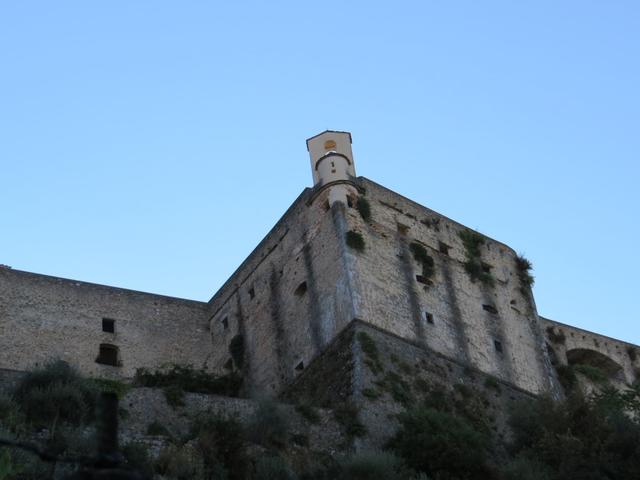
point(11, 416)
point(308, 412)
point(522, 468)
point(473, 265)
point(120, 389)
point(594, 374)
point(355, 240)
point(523, 269)
point(56, 392)
point(373, 465)
point(441, 444)
point(189, 380)
point(346, 414)
point(370, 350)
point(273, 468)
point(491, 382)
point(364, 209)
point(220, 442)
point(184, 463)
point(174, 395)
point(371, 393)
point(422, 257)
point(566, 376)
point(269, 425)
point(397, 387)
point(157, 429)
point(137, 456)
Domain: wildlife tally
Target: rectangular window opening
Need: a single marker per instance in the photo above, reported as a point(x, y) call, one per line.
point(428, 317)
point(252, 293)
point(108, 355)
point(498, 345)
point(444, 248)
point(225, 323)
point(108, 325)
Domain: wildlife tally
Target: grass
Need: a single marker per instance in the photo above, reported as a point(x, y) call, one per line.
point(523, 268)
point(472, 241)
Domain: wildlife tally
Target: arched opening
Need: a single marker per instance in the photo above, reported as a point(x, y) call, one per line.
point(593, 361)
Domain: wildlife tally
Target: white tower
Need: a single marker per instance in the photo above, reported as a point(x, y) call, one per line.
point(332, 164)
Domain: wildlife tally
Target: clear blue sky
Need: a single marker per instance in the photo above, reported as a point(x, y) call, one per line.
point(152, 144)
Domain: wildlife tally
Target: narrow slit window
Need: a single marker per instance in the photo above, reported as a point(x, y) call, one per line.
point(490, 309)
point(428, 317)
point(108, 355)
point(108, 325)
point(225, 323)
point(252, 293)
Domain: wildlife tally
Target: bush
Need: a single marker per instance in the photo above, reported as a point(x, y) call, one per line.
point(346, 414)
point(308, 412)
point(174, 396)
point(56, 392)
point(363, 207)
point(189, 379)
point(473, 265)
point(137, 457)
point(183, 463)
point(220, 442)
point(441, 444)
point(157, 429)
point(269, 425)
point(273, 468)
point(594, 374)
point(421, 256)
point(373, 465)
point(523, 269)
point(355, 240)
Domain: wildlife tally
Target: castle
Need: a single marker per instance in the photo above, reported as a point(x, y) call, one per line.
point(348, 254)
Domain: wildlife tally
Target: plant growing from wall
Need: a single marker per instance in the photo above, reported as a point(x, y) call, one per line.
point(370, 350)
point(523, 268)
point(593, 373)
point(363, 207)
point(355, 240)
point(421, 256)
point(473, 265)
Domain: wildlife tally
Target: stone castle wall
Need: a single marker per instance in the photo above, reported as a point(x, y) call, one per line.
point(44, 317)
point(466, 318)
point(288, 299)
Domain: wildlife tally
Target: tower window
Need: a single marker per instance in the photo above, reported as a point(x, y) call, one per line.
point(498, 345)
point(108, 325)
point(108, 355)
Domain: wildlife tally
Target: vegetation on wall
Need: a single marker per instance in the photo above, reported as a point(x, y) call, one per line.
point(523, 269)
point(423, 258)
point(355, 240)
point(473, 265)
point(363, 207)
point(189, 379)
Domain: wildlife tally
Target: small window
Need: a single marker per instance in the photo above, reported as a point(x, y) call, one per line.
point(498, 345)
point(428, 317)
point(108, 355)
point(225, 323)
point(108, 325)
point(252, 293)
point(444, 248)
point(301, 290)
point(490, 309)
